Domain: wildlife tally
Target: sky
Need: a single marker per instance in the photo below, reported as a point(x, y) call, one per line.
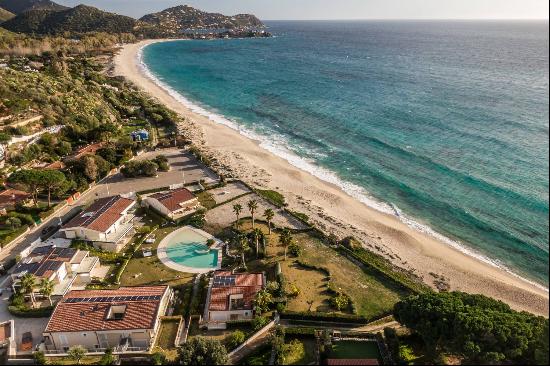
point(339, 9)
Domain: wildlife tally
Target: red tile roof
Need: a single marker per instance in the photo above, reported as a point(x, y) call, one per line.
point(174, 200)
point(350, 361)
point(92, 315)
point(10, 197)
point(247, 284)
point(102, 214)
point(88, 149)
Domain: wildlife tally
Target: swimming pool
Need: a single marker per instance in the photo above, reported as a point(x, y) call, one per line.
point(186, 250)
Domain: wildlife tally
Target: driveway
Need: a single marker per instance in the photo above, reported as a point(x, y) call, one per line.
point(34, 325)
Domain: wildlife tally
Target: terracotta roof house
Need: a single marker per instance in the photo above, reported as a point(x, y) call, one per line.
point(85, 150)
point(174, 203)
point(125, 320)
point(66, 267)
point(107, 223)
point(231, 297)
point(11, 197)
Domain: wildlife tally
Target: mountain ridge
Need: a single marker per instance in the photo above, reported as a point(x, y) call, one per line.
point(21, 6)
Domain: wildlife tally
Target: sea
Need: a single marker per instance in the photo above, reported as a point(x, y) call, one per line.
point(441, 123)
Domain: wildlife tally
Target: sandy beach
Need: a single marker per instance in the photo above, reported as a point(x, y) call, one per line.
point(334, 210)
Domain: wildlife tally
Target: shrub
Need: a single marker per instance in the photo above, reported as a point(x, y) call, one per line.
point(273, 197)
point(294, 250)
point(331, 317)
point(259, 322)
point(39, 358)
point(294, 291)
point(340, 301)
point(236, 338)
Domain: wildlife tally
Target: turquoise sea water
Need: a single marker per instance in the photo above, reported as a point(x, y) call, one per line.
point(442, 123)
point(187, 249)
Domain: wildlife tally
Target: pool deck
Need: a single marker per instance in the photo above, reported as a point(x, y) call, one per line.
point(163, 256)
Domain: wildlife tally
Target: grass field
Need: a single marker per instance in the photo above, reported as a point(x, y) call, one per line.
point(368, 293)
point(355, 350)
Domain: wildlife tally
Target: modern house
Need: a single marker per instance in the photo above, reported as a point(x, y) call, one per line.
point(66, 267)
point(107, 223)
point(231, 297)
point(173, 204)
point(125, 320)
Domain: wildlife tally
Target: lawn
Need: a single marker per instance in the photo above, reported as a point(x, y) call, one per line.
point(369, 295)
point(206, 199)
point(355, 350)
point(151, 271)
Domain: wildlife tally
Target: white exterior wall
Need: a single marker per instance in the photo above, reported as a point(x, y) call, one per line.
point(157, 206)
point(224, 316)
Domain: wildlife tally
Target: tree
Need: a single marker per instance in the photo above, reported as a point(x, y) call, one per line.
point(237, 209)
point(50, 180)
point(46, 289)
point(269, 215)
point(256, 235)
point(242, 245)
point(285, 239)
point(481, 329)
point(107, 358)
point(14, 222)
point(4, 138)
point(39, 358)
point(27, 285)
point(77, 353)
point(340, 301)
point(294, 249)
point(252, 207)
point(203, 351)
point(89, 167)
point(262, 301)
point(30, 180)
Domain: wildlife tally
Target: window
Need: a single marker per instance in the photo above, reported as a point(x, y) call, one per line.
point(116, 312)
point(84, 334)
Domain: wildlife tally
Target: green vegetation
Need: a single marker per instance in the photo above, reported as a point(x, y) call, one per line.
point(273, 197)
point(478, 328)
point(203, 351)
point(206, 199)
point(354, 350)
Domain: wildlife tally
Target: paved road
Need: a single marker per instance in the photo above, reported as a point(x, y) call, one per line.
point(184, 168)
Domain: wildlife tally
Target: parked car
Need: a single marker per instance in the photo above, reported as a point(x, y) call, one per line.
point(49, 231)
point(26, 342)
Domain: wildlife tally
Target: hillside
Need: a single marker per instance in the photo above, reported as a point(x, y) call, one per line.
point(5, 15)
point(80, 19)
point(175, 20)
point(20, 6)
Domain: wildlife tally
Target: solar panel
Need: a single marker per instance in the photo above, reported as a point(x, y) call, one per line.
point(74, 300)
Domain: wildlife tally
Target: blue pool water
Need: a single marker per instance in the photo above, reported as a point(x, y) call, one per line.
point(443, 122)
point(186, 249)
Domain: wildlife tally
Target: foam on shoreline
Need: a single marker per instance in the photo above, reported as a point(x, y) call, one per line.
point(281, 150)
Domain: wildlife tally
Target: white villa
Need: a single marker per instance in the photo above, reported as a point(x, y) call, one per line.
point(173, 204)
point(107, 223)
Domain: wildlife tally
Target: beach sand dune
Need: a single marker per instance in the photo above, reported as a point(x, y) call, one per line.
point(335, 211)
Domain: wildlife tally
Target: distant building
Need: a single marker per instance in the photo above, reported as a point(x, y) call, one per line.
point(107, 223)
point(66, 267)
point(9, 198)
point(85, 150)
point(140, 135)
point(231, 297)
point(174, 203)
point(124, 320)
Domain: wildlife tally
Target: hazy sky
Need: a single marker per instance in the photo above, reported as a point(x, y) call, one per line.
point(340, 9)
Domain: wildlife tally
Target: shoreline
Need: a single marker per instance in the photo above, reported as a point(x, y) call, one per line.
point(244, 157)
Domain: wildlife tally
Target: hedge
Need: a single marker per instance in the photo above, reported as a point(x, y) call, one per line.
point(331, 317)
point(23, 312)
point(236, 324)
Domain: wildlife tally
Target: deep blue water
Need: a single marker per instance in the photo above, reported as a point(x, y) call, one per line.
point(448, 121)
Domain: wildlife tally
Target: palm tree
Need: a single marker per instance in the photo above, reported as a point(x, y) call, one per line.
point(285, 239)
point(77, 353)
point(237, 209)
point(252, 207)
point(46, 289)
point(28, 283)
point(257, 234)
point(242, 243)
point(269, 215)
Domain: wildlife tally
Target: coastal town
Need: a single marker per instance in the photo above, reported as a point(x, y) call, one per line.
point(128, 234)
